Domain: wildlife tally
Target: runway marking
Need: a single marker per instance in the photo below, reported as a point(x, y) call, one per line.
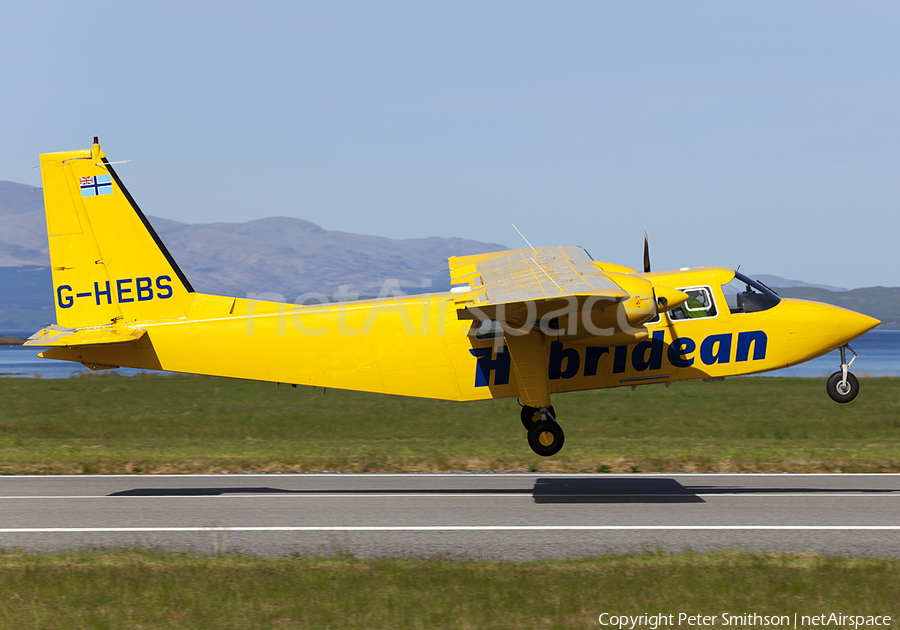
point(449, 528)
point(290, 494)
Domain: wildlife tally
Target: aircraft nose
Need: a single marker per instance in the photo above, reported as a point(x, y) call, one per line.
point(817, 328)
point(852, 324)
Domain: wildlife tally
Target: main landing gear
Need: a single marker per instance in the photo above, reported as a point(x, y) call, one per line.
point(545, 436)
point(842, 386)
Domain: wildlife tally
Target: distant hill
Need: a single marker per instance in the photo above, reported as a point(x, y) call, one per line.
point(277, 255)
point(880, 302)
point(289, 257)
point(26, 297)
point(778, 281)
point(23, 239)
point(292, 256)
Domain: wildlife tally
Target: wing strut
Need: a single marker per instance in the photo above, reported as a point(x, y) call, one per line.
point(529, 360)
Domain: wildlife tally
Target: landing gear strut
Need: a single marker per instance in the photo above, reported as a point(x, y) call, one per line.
point(530, 415)
point(842, 386)
point(545, 436)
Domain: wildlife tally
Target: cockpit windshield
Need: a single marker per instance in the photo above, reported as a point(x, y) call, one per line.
point(744, 295)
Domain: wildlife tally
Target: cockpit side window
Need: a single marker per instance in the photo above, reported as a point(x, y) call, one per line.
point(699, 305)
point(744, 295)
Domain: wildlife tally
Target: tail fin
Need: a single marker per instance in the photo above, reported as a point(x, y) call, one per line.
point(108, 263)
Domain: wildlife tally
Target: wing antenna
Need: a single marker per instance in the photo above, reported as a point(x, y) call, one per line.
point(544, 270)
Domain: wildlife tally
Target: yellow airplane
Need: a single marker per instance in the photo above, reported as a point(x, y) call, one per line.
point(524, 323)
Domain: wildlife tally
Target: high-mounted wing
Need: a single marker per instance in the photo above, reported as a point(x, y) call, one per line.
point(524, 274)
point(523, 286)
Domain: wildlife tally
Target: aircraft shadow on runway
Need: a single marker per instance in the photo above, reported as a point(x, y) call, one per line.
point(611, 490)
point(545, 490)
point(201, 492)
point(661, 490)
point(558, 490)
point(553, 490)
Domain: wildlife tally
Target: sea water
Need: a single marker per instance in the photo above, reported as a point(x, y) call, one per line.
point(878, 350)
point(24, 362)
point(879, 355)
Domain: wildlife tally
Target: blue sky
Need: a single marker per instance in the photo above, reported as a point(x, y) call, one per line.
point(765, 134)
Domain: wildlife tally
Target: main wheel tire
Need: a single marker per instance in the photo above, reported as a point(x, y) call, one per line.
point(842, 392)
point(546, 438)
point(530, 415)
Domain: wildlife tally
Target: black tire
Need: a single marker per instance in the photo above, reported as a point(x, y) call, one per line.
point(530, 415)
point(546, 438)
point(837, 393)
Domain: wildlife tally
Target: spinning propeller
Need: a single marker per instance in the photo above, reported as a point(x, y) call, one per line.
point(646, 254)
point(660, 302)
point(671, 297)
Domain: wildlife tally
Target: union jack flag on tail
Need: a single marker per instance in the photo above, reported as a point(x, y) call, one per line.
point(95, 185)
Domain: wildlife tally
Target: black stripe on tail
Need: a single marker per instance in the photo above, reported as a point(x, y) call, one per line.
point(156, 239)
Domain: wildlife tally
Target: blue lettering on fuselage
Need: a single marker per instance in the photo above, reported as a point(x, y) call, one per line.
point(648, 355)
point(490, 363)
point(122, 291)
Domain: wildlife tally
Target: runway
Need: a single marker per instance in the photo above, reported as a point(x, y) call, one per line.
point(465, 515)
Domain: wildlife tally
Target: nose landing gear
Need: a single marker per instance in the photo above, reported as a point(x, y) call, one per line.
point(842, 386)
point(545, 436)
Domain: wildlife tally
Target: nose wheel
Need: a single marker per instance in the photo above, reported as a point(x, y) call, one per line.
point(545, 436)
point(843, 386)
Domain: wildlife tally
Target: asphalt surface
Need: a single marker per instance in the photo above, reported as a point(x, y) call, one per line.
point(490, 515)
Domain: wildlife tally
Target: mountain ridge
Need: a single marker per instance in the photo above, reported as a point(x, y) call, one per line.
point(282, 255)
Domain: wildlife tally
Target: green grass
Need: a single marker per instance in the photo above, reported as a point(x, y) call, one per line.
point(195, 424)
point(144, 589)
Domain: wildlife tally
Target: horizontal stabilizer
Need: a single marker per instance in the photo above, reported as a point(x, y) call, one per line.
point(57, 336)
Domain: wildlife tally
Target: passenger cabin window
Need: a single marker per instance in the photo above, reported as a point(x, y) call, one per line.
point(699, 305)
point(744, 295)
